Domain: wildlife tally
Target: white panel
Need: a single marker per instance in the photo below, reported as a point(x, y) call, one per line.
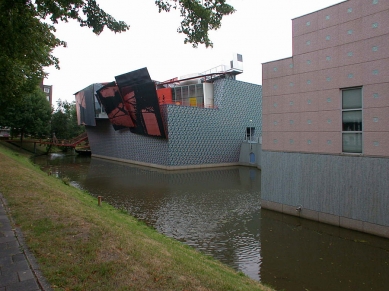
point(237, 62)
point(208, 95)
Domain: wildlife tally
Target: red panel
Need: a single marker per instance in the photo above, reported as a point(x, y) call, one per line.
point(151, 123)
point(165, 96)
point(117, 113)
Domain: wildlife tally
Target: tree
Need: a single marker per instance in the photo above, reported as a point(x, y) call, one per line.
point(199, 17)
point(25, 48)
point(27, 34)
point(64, 121)
point(27, 40)
point(31, 115)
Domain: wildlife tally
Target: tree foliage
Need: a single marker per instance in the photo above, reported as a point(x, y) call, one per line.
point(199, 17)
point(27, 34)
point(31, 115)
point(86, 12)
point(27, 39)
point(25, 47)
point(64, 121)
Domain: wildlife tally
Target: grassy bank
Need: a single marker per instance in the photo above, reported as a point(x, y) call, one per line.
point(81, 246)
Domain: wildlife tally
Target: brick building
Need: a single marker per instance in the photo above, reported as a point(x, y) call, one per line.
point(326, 119)
point(48, 90)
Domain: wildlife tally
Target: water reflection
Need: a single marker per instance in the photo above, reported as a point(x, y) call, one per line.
point(218, 212)
point(215, 210)
point(299, 254)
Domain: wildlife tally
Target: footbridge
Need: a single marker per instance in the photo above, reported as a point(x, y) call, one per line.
point(70, 143)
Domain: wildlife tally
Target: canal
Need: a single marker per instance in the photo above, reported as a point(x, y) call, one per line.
point(218, 212)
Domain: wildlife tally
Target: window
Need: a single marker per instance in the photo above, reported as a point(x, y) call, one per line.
point(46, 90)
point(189, 95)
point(250, 133)
point(352, 120)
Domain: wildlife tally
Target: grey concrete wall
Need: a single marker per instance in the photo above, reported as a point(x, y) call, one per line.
point(124, 145)
point(246, 149)
point(201, 136)
point(350, 191)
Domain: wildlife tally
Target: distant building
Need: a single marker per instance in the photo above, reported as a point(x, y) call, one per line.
point(4, 132)
point(48, 90)
point(326, 119)
point(195, 121)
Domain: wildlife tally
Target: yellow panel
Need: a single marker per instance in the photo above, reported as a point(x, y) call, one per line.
point(193, 101)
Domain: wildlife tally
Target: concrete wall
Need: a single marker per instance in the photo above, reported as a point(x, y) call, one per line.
point(246, 150)
point(201, 136)
point(122, 145)
point(215, 178)
point(348, 191)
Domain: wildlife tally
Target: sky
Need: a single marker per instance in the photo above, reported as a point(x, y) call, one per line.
point(259, 30)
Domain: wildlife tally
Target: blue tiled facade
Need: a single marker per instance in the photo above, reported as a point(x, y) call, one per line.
point(196, 136)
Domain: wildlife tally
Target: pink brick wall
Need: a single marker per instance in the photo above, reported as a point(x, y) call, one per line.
point(328, 17)
point(376, 143)
point(305, 43)
point(330, 142)
point(330, 120)
point(375, 48)
point(376, 95)
point(368, 7)
point(350, 31)
point(305, 24)
point(329, 99)
point(277, 69)
point(309, 121)
point(329, 58)
point(306, 62)
point(376, 119)
point(351, 75)
point(345, 45)
point(291, 141)
point(375, 24)
point(328, 37)
point(309, 101)
point(309, 141)
point(356, 11)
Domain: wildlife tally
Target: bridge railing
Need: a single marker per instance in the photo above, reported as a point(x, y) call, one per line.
point(68, 142)
point(79, 138)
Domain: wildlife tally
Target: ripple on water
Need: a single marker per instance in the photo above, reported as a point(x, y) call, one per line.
point(218, 212)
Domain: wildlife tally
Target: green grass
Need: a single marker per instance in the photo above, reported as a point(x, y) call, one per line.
point(81, 246)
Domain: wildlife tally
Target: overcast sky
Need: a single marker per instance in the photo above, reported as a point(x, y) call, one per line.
point(259, 30)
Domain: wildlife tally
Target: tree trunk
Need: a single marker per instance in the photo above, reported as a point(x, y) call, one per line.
point(21, 138)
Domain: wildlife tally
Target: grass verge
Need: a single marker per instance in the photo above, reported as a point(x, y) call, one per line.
point(81, 246)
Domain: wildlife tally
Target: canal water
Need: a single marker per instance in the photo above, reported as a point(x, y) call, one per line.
point(218, 212)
